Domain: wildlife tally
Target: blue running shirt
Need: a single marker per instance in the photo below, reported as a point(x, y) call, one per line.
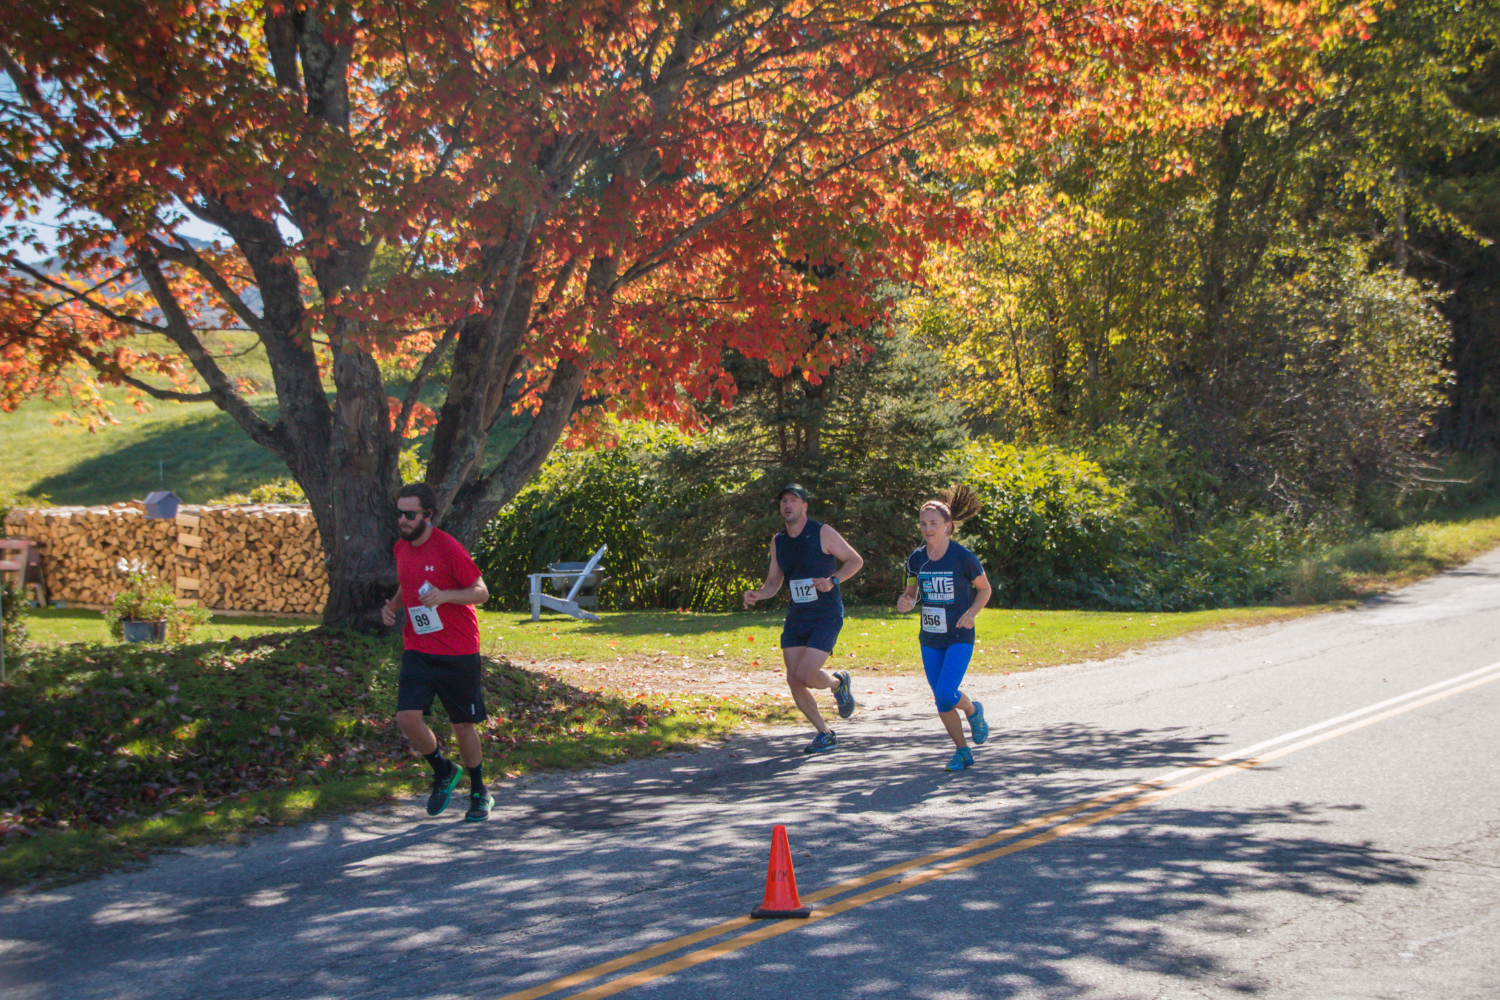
point(802, 560)
point(946, 589)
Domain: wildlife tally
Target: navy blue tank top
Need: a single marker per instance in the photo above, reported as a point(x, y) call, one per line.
point(803, 560)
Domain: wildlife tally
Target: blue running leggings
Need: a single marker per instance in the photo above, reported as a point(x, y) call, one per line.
point(945, 672)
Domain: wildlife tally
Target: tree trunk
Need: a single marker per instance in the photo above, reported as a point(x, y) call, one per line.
point(480, 499)
point(356, 511)
point(361, 572)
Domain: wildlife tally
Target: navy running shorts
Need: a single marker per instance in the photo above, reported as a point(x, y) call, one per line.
point(453, 680)
point(815, 633)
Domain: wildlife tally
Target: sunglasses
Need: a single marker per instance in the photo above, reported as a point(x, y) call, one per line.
point(409, 515)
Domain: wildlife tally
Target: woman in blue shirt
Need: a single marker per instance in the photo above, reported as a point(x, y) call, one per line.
point(949, 583)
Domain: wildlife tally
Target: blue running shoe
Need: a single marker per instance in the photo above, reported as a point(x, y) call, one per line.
point(978, 728)
point(961, 759)
point(843, 695)
point(480, 804)
point(823, 743)
point(442, 787)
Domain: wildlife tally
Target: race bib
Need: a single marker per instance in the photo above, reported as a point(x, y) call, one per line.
point(934, 619)
point(424, 620)
point(803, 591)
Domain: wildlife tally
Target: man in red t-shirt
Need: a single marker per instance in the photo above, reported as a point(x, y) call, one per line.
point(439, 587)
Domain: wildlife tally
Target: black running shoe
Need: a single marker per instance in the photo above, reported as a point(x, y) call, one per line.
point(843, 695)
point(442, 787)
point(822, 743)
point(479, 807)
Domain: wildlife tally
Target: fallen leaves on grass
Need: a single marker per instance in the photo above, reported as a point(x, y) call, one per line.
point(120, 732)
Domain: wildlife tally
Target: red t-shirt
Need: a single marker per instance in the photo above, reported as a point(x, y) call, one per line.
point(448, 629)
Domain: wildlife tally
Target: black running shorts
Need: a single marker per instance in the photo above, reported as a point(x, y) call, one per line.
point(454, 680)
point(817, 633)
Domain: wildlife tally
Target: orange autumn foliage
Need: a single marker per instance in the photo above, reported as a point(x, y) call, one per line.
point(573, 201)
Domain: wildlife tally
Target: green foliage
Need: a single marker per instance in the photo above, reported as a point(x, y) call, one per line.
point(145, 598)
point(1053, 526)
point(1161, 474)
point(870, 441)
point(1238, 561)
point(1057, 529)
point(411, 467)
point(579, 501)
point(276, 491)
point(1330, 371)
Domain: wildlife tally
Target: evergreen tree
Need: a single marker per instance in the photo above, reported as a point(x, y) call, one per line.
point(869, 440)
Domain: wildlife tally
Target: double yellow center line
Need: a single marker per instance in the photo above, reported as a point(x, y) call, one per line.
point(1033, 832)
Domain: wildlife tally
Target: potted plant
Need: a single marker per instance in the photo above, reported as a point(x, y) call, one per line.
point(145, 610)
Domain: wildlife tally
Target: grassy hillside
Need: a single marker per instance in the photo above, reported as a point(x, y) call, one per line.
point(190, 448)
point(193, 449)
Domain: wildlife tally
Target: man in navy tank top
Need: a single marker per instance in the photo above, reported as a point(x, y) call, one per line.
point(814, 560)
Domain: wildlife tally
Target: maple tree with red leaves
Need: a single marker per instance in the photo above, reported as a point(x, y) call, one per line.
point(562, 204)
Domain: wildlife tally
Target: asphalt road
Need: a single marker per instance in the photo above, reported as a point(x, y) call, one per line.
point(1345, 844)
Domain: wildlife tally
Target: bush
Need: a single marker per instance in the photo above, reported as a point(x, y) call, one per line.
point(579, 501)
point(1237, 561)
point(1054, 529)
point(276, 491)
point(1057, 530)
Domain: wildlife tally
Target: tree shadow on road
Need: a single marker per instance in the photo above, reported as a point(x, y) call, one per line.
point(594, 866)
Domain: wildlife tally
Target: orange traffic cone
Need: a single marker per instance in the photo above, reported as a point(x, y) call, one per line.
point(781, 882)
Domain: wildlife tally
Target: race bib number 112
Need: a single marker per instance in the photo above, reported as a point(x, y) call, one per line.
point(803, 591)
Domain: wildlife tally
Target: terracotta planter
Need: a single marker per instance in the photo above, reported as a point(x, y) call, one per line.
point(137, 631)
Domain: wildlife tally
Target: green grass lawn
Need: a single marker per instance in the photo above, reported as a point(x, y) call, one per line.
point(60, 625)
point(876, 639)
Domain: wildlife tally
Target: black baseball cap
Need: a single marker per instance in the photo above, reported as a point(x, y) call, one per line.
point(793, 488)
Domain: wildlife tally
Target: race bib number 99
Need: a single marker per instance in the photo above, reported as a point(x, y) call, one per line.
point(934, 619)
point(803, 591)
point(424, 621)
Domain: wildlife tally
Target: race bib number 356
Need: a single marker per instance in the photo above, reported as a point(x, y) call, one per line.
point(424, 620)
point(934, 619)
point(803, 591)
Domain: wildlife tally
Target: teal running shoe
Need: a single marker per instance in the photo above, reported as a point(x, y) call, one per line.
point(843, 695)
point(961, 759)
point(480, 804)
point(978, 728)
point(442, 787)
point(822, 743)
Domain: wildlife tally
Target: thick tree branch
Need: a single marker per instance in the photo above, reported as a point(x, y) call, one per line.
point(188, 257)
point(103, 366)
point(219, 386)
point(430, 362)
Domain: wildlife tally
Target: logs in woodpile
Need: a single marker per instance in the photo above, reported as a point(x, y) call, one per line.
point(244, 557)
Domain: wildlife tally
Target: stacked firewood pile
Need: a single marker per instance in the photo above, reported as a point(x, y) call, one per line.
point(242, 557)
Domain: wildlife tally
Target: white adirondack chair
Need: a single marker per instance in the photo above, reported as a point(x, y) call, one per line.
point(567, 605)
